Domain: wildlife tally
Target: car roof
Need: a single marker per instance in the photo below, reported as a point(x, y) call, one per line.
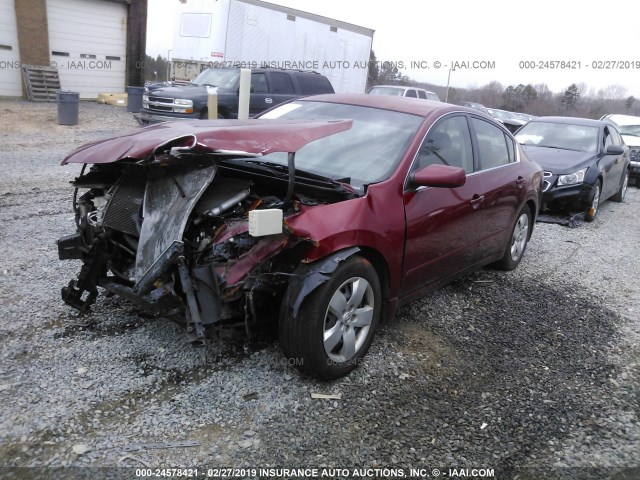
point(415, 106)
point(571, 120)
point(620, 119)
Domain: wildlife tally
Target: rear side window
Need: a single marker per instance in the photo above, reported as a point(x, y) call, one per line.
point(281, 83)
point(422, 94)
point(411, 93)
point(312, 84)
point(493, 148)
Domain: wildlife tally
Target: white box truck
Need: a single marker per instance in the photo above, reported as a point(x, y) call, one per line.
point(255, 34)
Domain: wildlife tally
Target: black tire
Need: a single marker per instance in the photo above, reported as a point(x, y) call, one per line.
point(518, 241)
point(622, 191)
point(304, 338)
point(593, 210)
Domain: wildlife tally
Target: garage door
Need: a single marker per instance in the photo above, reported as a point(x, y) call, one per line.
point(10, 73)
point(87, 39)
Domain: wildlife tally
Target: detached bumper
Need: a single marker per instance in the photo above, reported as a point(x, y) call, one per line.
point(574, 197)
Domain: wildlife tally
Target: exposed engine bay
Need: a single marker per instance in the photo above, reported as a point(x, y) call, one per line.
point(203, 241)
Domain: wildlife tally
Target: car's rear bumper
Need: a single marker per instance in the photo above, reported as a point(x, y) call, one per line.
point(634, 169)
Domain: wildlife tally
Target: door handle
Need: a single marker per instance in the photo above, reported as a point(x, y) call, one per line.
point(476, 200)
point(520, 180)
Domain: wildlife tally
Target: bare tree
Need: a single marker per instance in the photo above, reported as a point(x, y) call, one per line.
point(612, 92)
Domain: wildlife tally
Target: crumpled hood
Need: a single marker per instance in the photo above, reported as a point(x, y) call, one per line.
point(257, 137)
point(557, 160)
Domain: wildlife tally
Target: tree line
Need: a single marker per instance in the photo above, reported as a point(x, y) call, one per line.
point(577, 100)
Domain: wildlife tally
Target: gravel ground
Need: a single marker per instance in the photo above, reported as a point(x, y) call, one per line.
point(532, 373)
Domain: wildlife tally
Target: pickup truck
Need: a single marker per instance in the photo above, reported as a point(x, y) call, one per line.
point(269, 87)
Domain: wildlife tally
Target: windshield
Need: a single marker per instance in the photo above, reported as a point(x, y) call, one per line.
point(633, 130)
point(366, 153)
point(581, 138)
point(227, 79)
point(387, 91)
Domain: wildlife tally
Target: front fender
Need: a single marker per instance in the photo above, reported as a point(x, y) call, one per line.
point(309, 276)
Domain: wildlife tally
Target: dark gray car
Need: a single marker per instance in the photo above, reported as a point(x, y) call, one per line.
point(585, 162)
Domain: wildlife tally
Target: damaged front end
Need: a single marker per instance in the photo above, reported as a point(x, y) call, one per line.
point(185, 229)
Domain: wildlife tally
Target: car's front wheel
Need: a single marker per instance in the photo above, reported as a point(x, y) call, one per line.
point(592, 211)
point(336, 323)
point(622, 191)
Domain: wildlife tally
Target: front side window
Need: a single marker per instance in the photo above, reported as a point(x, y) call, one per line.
point(447, 143)
point(259, 83)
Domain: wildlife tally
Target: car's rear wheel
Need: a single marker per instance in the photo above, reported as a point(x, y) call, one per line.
point(336, 323)
point(518, 241)
point(622, 191)
point(592, 211)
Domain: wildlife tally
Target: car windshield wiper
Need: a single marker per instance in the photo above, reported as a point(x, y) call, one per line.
point(283, 171)
point(559, 148)
point(279, 168)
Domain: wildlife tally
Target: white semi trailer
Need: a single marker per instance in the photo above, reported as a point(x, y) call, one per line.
point(255, 34)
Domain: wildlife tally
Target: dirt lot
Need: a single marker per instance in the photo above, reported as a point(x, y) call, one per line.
point(533, 373)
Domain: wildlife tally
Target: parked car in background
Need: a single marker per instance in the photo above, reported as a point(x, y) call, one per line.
point(585, 162)
point(269, 87)
point(401, 91)
point(525, 117)
point(330, 211)
point(507, 118)
point(476, 106)
point(629, 128)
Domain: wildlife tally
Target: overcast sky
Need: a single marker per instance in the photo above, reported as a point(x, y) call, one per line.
point(587, 34)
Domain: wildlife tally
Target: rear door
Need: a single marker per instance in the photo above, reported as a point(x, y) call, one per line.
point(443, 224)
point(260, 98)
point(498, 171)
point(612, 165)
point(281, 87)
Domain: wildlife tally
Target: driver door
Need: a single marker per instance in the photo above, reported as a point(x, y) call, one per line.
point(443, 224)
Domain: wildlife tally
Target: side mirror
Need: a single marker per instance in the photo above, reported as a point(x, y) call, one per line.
point(442, 176)
point(614, 150)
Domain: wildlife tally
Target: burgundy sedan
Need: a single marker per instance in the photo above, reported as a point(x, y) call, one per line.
point(326, 214)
